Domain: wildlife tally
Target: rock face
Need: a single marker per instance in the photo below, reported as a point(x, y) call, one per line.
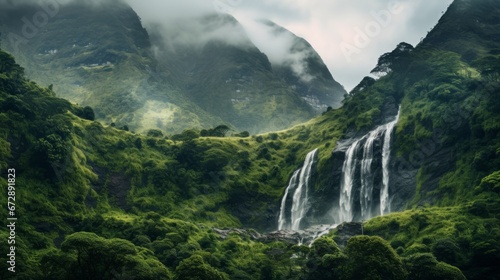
point(305, 237)
point(346, 231)
point(301, 237)
point(353, 184)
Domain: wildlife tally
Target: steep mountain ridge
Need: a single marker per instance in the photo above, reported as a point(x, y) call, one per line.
point(307, 73)
point(112, 70)
point(146, 206)
point(228, 75)
point(132, 83)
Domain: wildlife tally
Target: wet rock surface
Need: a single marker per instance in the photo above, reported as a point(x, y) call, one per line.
point(301, 237)
point(346, 231)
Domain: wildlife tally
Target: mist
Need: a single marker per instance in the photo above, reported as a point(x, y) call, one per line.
point(188, 23)
point(196, 22)
point(280, 46)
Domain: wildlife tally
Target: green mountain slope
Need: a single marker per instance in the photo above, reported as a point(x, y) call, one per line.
point(129, 82)
point(227, 75)
point(112, 70)
point(95, 201)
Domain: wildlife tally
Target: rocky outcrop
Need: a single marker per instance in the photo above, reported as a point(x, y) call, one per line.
point(346, 231)
point(305, 237)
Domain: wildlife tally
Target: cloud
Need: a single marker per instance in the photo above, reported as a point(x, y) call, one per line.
point(153, 11)
point(279, 45)
point(326, 25)
point(188, 23)
point(193, 23)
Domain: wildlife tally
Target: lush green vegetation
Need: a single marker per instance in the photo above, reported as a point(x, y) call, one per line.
point(105, 203)
point(97, 202)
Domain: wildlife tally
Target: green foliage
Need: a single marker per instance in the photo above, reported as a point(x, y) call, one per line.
point(151, 204)
point(243, 134)
point(186, 135)
point(424, 266)
point(86, 112)
point(94, 257)
point(154, 133)
point(194, 268)
point(372, 258)
point(325, 260)
point(53, 148)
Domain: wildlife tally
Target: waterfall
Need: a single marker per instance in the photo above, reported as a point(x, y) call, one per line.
point(366, 192)
point(291, 184)
point(364, 186)
point(366, 177)
point(346, 183)
point(385, 206)
point(299, 185)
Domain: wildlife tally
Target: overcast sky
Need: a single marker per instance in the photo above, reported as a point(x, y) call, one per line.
point(349, 35)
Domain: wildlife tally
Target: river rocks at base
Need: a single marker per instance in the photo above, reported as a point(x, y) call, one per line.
point(300, 237)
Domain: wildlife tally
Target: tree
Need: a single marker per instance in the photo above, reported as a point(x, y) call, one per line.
point(194, 268)
point(186, 135)
point(424, 266)
point(53, 148)
point(325, 260)
point(221, 130)
point(218, 131)
point(88, 113)
point(155, 133)
point(243, 134)
point(96, 257)
point(371, 257)
point(395, 60)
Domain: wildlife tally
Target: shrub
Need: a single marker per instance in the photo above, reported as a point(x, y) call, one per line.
point(372, 258)
point(155, 133)
point(424, 266)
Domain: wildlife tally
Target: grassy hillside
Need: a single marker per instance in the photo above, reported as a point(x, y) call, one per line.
point(97, 202)
point(153, 201)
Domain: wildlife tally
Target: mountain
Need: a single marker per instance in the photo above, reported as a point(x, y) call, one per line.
point(112, 70)
point(131, 81)
point(94, 201)
point(306, 72)
point(220, 69)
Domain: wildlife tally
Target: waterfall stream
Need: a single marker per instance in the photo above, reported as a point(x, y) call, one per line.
point(366, 176)
point(348, 171)
point(366, 191)
point(364, 186)
point(385, 206)
point(299, 185)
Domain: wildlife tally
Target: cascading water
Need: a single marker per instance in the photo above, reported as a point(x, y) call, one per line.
point(299, 185)
point(293, 182)
point(385, 206)
point(366, 161)
point(348, 171)
point(347, 185)
point(366, 191)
